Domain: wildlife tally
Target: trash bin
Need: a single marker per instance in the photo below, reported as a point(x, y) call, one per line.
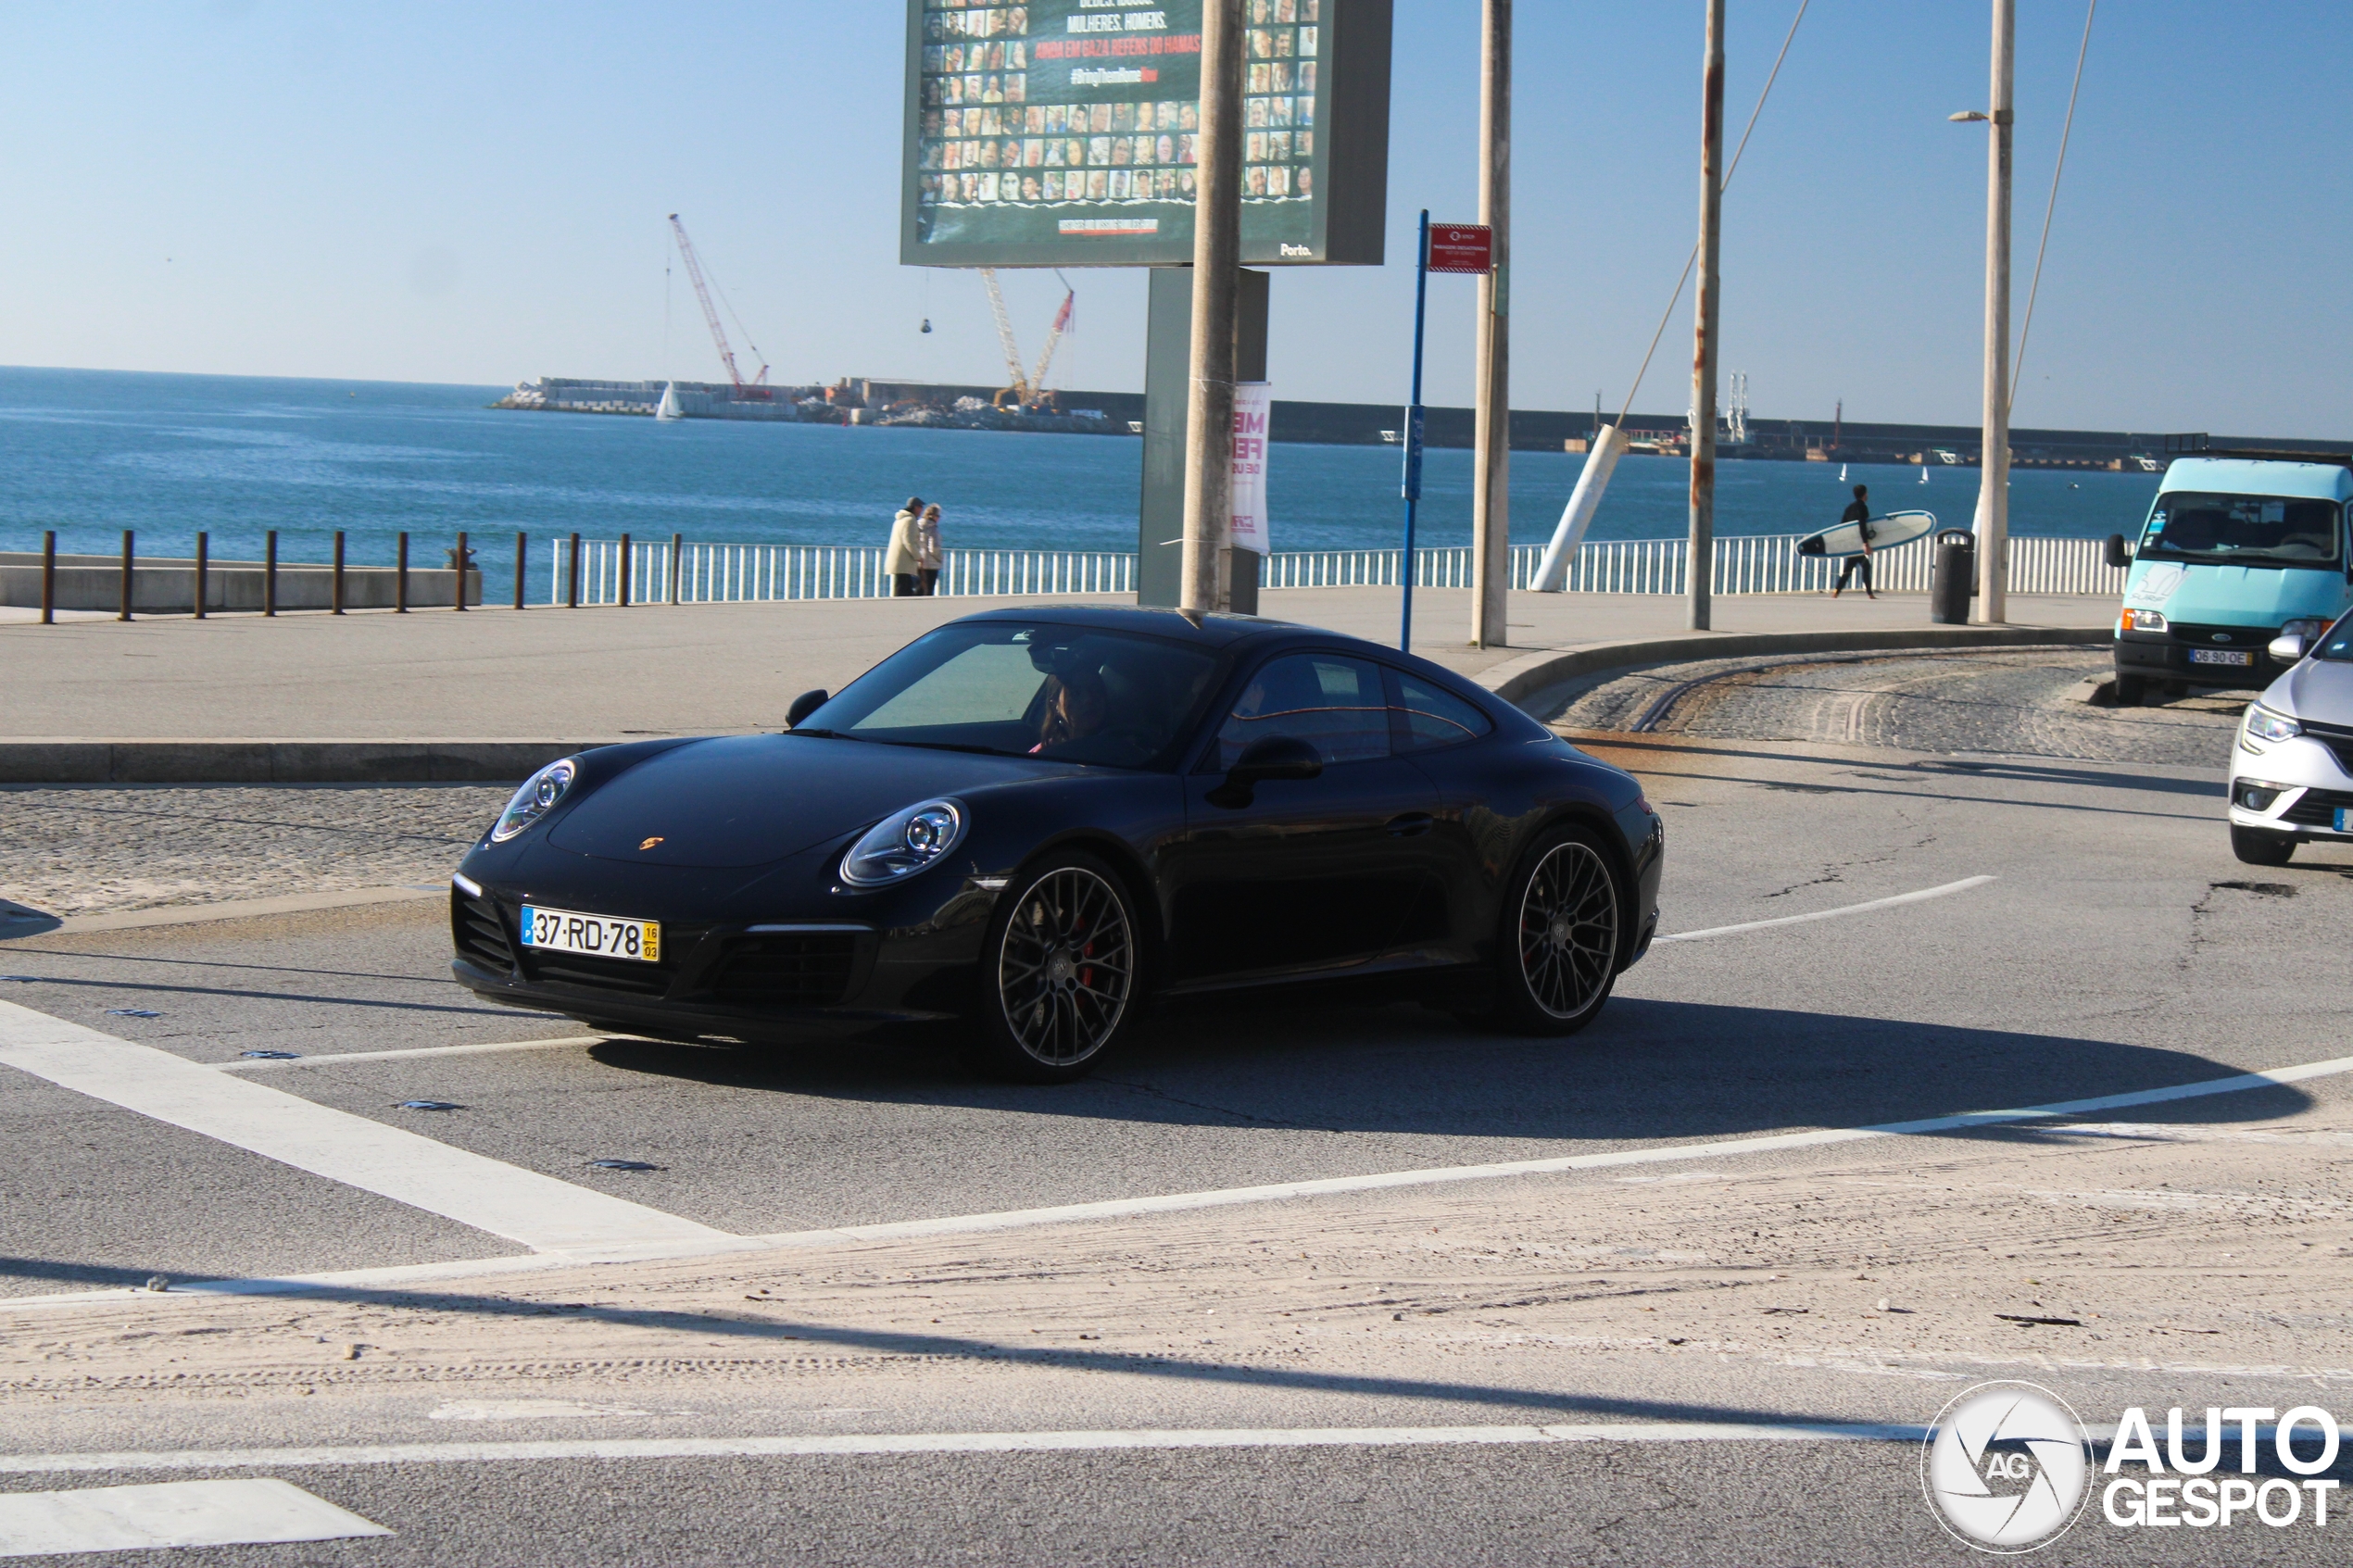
point(1954, 578)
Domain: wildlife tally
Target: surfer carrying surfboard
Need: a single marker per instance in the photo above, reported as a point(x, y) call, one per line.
point(1858, 512)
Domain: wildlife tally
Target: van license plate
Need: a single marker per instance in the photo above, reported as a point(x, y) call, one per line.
point(2220, 656)
point(2341, 815)
point(563, 931)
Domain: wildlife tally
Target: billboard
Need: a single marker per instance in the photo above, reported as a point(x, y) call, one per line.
point(1064, 133)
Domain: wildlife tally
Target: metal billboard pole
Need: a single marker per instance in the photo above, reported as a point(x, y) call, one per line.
point(1993, 464)
point(1490, 491)
point(1217, 231)
point(1414, 422)
point(1700, 572)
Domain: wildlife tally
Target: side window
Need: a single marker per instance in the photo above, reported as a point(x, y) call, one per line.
point(1334, 704)
point(1433, 717)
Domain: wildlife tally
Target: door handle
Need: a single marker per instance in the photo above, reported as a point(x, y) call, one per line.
point(1411, 825)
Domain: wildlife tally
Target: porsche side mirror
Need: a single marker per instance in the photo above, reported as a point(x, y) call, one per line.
point(2117, 555)
point(1268, 758)
point(802, 707)
point(2287, 650)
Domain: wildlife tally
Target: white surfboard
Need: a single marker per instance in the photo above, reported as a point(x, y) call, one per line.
point(1886, 533)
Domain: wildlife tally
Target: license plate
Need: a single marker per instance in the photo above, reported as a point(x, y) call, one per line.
point(2219, 655)
point(563, 931)
point(2341, 815)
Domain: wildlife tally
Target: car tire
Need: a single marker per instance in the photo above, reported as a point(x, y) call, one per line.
point(1059, 972)
point(1558, 935)
point(2131, 689)
point(2257, 848)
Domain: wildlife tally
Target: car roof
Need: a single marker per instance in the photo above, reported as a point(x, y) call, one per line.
point(1207, 631)
point(2326, 482)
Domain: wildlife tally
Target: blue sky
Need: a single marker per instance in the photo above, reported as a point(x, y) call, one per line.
point(434, 191)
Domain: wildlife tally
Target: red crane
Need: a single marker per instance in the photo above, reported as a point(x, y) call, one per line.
point(758, 386)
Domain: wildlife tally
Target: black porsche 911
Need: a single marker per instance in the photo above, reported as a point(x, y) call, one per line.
point(1030, 822)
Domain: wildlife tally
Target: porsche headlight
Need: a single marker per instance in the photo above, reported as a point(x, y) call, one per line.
point(537, 797)
point(2264, 724)
point(904, 843)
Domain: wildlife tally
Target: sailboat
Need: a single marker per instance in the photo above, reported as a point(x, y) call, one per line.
point(1842, 473)
point(667, 408)
point(1923, 473)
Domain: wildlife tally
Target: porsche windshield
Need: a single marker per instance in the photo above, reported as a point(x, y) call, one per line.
point(1073, 693)
point(2242, 530)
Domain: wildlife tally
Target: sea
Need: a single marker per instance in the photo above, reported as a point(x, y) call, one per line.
point(91, 453)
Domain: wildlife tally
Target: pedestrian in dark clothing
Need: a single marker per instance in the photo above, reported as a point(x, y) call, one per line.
point(1858, 511)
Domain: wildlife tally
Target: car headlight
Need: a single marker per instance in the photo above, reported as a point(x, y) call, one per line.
point(535, 799)
point(905, 842)
point(2264, 724)
point(2143, 620)
point(2309, 629)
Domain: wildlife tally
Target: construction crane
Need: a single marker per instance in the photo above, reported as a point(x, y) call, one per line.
point(1028, 389)
point(757, 388)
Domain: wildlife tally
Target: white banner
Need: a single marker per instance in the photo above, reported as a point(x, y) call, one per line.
point(1252, 401)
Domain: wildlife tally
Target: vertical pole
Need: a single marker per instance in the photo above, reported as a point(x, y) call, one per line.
point(125, 615)
point(401, 579)
point(49, 577)
point(269, 573)
point(1700, 581)
point(201, 541)
point(335, 590)
point(522, 561)
point(624, 572)
point(459, 557)
point(1413, 487)
point(1994, 470)
point(1490, 486)
point(571, 576)
point(1218, 226)
point(677, 559)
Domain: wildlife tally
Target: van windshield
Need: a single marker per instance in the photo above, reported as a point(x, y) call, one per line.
point(2242, 530)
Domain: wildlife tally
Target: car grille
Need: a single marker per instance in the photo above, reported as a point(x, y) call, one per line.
point(479, 932)
point(2242, 638)
point(2337, 739)
point(788, 969)
point(2317, 808)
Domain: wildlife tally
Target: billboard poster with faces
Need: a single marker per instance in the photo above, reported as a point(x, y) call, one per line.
point(1067, 132)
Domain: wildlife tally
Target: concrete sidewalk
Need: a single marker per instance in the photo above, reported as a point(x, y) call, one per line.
point(440, 696)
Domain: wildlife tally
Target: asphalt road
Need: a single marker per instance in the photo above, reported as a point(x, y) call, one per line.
point(2119, 947)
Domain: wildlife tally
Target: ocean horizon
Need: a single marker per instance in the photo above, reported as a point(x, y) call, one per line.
point(90, 453)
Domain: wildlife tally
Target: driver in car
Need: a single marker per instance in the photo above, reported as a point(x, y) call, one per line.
point(1076, 706)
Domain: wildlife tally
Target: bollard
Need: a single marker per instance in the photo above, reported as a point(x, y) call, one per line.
point(458, 561)
point(571, 576)
point(677, 555)
point(335, 588)
point(126, 576)
point(49, 578)
point(269, 573)
point(522, 555)
point(201, 552)
point(1954, 578)
point(400, 580)
point(624, 572)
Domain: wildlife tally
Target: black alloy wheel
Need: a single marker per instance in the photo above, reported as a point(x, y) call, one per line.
point(1557, 951)
point(1059, 972)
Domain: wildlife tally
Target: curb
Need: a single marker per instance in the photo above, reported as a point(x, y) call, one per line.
point(67, 760)
point(1531, 674)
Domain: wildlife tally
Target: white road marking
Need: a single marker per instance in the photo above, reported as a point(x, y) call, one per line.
point(1926, 892)
point(171, 1513)
point(1120, 1209)
point(526, 1410)
point(541, 1212)
point(329, 1059)
point(968, 1443)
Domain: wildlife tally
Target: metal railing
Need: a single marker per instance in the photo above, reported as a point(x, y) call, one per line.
point(1745, 564)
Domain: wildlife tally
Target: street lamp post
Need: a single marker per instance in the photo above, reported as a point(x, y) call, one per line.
point(1994, 470)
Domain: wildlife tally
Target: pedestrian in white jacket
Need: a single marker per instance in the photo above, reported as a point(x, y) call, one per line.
point(902, 558)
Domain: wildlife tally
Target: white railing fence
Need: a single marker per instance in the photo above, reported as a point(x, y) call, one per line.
point(1745, 564)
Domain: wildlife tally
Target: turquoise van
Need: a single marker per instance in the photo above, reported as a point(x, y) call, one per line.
point(2236, 551)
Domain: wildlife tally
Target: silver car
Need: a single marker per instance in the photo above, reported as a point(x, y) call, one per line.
point(2291, 770)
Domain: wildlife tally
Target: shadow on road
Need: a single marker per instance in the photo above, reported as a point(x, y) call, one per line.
point(1649, 1070)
